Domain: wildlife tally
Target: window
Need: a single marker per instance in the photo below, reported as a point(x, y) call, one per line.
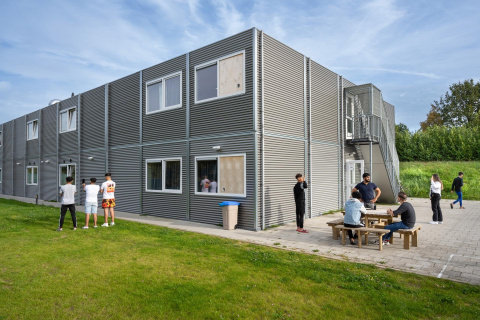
point(0, 175)
point(66, 170)
point(164, 93)
point(350, 115)
point(68, 120)
point(32, 130)
point(32, 175)
point(220, 175)
point(1, 138)
point(220, 78)
point(164, 175)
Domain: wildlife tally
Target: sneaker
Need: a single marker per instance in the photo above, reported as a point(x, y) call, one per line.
point(74, 229)
point(105, 225)
point(95, 226)
point(451, 205)
point(386, 243)
point(440, 222)
point(84, 227)
point(112, 223)
point(376, 242)
point(352, 242)
point(59, 229)
point(433, 222)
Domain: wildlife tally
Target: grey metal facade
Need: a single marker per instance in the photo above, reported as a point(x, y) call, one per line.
point(289, 119)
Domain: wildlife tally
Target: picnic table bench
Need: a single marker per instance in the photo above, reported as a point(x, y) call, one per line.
point(364, 232)
point(333, 224)
point(413, 232)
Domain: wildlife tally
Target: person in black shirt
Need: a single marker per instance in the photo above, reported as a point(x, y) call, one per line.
point(407, 214)
point(457, 187)
point(367, 190)
point(299, 193)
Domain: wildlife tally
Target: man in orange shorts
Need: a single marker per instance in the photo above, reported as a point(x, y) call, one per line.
point(108, 201)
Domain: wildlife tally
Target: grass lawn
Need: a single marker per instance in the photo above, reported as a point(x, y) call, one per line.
point(415, 177)
point(142, 271)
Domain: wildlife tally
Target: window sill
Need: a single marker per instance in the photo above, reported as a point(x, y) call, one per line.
point(218, 98)
point(211, 194)
point(164, 191)
point(67, 131)
point(164, 109)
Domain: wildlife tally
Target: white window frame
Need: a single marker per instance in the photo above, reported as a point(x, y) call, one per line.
point(347, 118)
point(60, 173)
point(60, 119)
point(164, 167)
point(26, 176)
point(218, 194)
point(163, 100)
point(35, 132)
point(211, 63)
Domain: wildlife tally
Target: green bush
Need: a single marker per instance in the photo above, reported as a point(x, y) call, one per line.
point(439, 144)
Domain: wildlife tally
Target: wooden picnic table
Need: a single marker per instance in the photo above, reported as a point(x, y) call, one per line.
point(377, 216)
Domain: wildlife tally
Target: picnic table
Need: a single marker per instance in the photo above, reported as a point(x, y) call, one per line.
point(377, 216)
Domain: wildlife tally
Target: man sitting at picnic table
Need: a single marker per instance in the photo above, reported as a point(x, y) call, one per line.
point(353, 212)
point(407, 215)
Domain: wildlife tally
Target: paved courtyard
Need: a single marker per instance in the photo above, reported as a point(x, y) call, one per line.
point(450, 250)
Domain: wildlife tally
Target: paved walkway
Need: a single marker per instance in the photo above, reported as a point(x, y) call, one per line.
point(449, 250)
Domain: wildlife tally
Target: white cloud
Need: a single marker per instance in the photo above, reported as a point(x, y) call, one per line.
point(5, 85)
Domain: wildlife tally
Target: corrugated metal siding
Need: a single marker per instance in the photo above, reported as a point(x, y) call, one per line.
point(284, 158)
point(124, 165)
point(166, 205)
point(7, 182)
point(7, 141)
point(259, 128)
point(284, 89)
point(324, 104)
point(230, 114)
point(168, 124)
point(48, 180)
point(347, 83)
point(19, 178)
point(20, 138)
point(32, 145)
point(205, 209)
point(123, 97)
point(94, 168)
point(93, 119)
point(325, 181)
point(68, 141)
point(49, 133)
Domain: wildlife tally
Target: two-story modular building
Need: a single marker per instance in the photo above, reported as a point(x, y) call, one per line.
point(234, 120)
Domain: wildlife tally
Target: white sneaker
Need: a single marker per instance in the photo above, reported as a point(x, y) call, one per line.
point(84, 227)
point(440, 222)
point(112, 223)
point(59, 229)
point(105, 225)
point(433, 222)
point(95, 226)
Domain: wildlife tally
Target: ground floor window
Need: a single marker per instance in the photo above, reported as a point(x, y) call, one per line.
point(163, 175)
point(32, 175)
point(66, 170)
point(221, 175)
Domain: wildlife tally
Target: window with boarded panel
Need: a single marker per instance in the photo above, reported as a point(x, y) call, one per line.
point(232, 175)
point(231, 75)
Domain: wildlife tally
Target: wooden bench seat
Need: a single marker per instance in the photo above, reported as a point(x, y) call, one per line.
point(333, 224)
point(407, 233)
point(363, 232)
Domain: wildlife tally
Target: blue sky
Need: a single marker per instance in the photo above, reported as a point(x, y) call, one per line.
point(411, 50)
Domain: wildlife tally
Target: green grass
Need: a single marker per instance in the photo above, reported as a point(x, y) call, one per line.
point(141, 271)
point(415, 177)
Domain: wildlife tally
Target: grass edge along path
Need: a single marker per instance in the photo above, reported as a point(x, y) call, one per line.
point(143, 271)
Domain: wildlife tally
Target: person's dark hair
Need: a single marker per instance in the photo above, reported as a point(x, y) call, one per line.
point(436, 177)
point(402, 195)
point(366, 175)
point(69, 179)
point(108, 174)
point(460, 173)
point(298, 175)
point(93, 180)
point(356, 195)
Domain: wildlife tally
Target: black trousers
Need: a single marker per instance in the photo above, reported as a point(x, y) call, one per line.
point(63, 212)
point(437, 211)
point(350, 232)
point(300, 211)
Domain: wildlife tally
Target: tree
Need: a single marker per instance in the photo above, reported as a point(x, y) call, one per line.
point(401, 128)
point(460, 106)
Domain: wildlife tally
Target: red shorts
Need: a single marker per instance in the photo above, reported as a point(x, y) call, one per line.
point(108, 203)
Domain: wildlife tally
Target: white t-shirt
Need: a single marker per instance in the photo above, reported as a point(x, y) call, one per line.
point(108, 189)
point(68, 192)
point(213, 187)
point(91, 191)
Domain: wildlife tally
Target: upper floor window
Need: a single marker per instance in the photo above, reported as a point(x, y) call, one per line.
point(1, 138)
point(164, 175)
point(220, 78)
point(32, 130)
point(164, 93)
point(68, 120)
point(32, 175)
point(349, 117)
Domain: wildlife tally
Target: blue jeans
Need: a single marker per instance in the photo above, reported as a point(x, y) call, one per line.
point(459, 194)
point(393, 227)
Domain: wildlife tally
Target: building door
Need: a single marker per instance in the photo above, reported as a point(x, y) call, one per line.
point(355, 169)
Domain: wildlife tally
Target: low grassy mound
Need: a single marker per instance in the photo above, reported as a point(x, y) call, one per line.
point(141, 271)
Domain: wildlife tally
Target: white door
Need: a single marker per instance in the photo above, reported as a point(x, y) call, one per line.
point(354, 174)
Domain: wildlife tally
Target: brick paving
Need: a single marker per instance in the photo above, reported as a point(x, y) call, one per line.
point(448, 251)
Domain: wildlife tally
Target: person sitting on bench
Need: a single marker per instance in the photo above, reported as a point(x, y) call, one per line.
point(353, 212)
point(407, 215)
